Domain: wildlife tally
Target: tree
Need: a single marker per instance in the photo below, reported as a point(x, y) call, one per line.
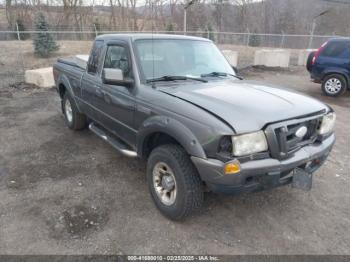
point(21, 28)
point(44, 44)
point(254, 40)
point(209, 32)
point(97, 26)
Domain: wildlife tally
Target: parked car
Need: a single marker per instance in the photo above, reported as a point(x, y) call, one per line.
point(176, 102)
point(330, 66)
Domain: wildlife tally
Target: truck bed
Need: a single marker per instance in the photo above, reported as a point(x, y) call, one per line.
point(70, 61)
point(72, 71)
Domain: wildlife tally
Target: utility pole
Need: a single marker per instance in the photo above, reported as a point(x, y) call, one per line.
point(186, 6)
point(313, 27)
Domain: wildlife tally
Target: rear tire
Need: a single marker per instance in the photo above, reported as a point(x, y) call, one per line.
point(334, 85)
point(174, 182)
point(74, 120)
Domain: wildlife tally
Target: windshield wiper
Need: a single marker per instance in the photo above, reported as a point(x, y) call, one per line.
point(174, 78)
point(217, 74)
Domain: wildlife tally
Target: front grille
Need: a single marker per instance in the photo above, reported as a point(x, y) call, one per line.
point(283, 139)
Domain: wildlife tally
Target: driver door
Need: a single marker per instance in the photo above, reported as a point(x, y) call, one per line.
point(117, 102)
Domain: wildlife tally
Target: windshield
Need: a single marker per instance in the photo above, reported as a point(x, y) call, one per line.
point(173, 57)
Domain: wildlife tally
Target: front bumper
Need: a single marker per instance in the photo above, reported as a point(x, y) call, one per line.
point(257, 175)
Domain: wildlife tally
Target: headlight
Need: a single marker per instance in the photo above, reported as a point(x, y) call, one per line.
point(249, 143)
point(327, 124)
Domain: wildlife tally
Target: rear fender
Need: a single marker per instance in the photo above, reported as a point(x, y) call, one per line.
point(336, 70)
point(63, 80)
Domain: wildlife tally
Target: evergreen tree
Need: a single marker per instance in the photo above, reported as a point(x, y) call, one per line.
point(170, 28)
point(44, 44)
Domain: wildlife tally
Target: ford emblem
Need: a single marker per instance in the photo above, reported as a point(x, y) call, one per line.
point(301, 132)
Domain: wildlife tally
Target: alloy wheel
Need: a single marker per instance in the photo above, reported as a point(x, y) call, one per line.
point(333, 85)
point(68, 110)
point(164, 183)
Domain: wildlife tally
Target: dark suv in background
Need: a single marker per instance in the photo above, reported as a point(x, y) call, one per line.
point(330, 66)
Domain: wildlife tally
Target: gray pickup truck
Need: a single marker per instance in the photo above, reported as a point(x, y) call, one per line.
point(176, 102)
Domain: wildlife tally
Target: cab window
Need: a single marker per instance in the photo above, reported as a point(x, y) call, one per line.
point(117, 57)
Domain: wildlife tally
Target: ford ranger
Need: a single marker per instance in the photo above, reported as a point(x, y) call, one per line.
point(176, 102)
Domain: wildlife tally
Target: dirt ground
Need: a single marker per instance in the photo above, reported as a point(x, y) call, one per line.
point(64, 192)
point(18, 56)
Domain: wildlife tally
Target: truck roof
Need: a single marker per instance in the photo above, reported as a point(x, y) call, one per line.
point(137, 36)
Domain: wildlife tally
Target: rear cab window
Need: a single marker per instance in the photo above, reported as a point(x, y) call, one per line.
point(94, 58)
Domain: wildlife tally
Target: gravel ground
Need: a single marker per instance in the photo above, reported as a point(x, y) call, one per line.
point(65, 192)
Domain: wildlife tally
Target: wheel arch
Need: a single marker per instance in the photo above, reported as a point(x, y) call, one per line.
point(61, 89)
point(64, 86)
point(157, 130)
point(337, 71)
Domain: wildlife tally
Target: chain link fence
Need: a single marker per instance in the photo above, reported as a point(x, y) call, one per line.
point(16, 48)
point(247, 39)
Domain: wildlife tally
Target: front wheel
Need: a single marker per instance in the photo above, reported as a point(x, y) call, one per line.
point(173, 181)
point(334, 85)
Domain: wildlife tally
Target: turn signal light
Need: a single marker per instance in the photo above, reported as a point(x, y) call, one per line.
point(232, 168)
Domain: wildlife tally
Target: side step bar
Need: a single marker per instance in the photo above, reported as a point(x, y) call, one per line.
point(114, 142)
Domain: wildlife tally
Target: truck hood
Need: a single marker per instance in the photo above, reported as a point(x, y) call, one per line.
point(246, 106)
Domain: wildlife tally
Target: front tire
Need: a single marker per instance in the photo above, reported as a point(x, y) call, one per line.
point(174, 182)
point(74, 120)
point(334, 85)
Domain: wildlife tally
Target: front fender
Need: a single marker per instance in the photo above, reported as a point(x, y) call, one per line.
point(173, 128)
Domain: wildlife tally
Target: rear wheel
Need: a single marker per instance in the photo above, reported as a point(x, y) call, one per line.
point(334, 85)
point(74, 119)
point(173, 181)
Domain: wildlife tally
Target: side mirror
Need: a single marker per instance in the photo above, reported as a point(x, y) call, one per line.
point(114, 76)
